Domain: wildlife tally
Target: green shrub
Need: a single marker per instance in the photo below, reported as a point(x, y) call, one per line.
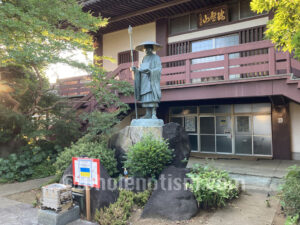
point(141, 198)
point(119, 212)
point(292, 220)
point(212, 187)
point(290, 192)
point(91, 150)
point(31, 162)
point(148, 157)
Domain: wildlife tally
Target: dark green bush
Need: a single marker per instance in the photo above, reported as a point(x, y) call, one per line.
point(96, 150)
point(118, 212)
point(148, 157)
point(211, 187)
point(290, 192)
point(31, 162)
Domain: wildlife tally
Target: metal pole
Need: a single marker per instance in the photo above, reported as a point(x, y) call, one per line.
point(132, 64)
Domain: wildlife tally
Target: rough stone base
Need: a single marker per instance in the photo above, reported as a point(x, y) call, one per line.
point(130, 135)
point(49, 217)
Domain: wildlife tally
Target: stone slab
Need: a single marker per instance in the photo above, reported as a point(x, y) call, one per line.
point(49, 217)
point(130, 135)
point(147, 123)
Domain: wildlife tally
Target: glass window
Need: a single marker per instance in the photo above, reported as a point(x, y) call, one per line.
point(178, 120)
point(223, 124)
point(262, 125)
point(233, 11)
point(243, 125)
point(226, 41)
point(242, 108)
point(193, 21)
point(243, 144)
point(222, 108)
point(207, 109)
point(202, 45)
point(179, 24)
point(207, 125)
point(245, 10)
point(262, 145)
point(224, 144)
point(190, 124)
point(207, 143)
point(176, 110)
point(190, 110)
point(262, 108)
point(193, 142)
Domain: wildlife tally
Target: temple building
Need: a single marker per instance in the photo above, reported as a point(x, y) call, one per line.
point(232, 91)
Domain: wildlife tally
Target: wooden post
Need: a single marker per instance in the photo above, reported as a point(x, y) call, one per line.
point(88, 203)
point(187, 71)
point(226, 66)
point(272, 61)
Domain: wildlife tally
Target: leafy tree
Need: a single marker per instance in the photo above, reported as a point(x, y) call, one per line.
point(284, 28)
point(33, 33)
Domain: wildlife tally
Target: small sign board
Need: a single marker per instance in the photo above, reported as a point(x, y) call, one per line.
point(213, 16)
point(86, 172)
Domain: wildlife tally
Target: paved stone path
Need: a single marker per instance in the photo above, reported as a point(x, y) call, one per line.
point(16, 213)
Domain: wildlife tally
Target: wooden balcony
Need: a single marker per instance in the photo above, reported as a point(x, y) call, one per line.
point(246, 70)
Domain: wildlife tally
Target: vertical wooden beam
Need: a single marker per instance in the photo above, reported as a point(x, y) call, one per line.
point(187, 71)
point(162, 36)
point(272, 63)
point(88, 203)
point(226, 66)
point(281, 132)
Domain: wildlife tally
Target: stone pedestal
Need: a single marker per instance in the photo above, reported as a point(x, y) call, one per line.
point(130, 135)
point(49, 217)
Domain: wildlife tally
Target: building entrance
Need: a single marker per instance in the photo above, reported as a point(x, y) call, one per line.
point(241, 129)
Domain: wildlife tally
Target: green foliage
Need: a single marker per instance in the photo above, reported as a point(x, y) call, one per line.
point(96, 150)
point(292, 220)
point(212, 187)
point(284, 28)
point(34, 34)
point(32, 162)
point(290, 192)
point(119, 212)
point(141, 198)
point(106, 89)
point(148, 157)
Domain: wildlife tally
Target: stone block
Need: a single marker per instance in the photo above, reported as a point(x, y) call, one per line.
point(128, 136)
point(49, 217)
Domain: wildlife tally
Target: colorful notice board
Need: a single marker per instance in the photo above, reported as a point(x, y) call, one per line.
point(86, 172)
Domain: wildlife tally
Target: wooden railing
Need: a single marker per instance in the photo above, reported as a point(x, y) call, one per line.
point(217, 65)
point(222, 64)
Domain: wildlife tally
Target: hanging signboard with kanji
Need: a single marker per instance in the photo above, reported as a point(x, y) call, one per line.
point(86, 172)
point(213, 16)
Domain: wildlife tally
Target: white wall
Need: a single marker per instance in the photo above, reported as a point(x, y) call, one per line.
point(295, 129)
point(118, 41)
point(219, 30)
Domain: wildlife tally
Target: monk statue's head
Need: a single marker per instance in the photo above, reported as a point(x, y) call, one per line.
point(148, 49)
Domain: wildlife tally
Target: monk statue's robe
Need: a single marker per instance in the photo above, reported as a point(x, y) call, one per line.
point(147, 85)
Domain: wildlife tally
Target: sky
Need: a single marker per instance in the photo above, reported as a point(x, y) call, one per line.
point(60, 70)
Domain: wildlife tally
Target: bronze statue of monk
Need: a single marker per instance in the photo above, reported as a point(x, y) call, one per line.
point(147, 79)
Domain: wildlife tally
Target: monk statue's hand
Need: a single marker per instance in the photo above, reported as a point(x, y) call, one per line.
point(146, 71)
point(133, 68)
